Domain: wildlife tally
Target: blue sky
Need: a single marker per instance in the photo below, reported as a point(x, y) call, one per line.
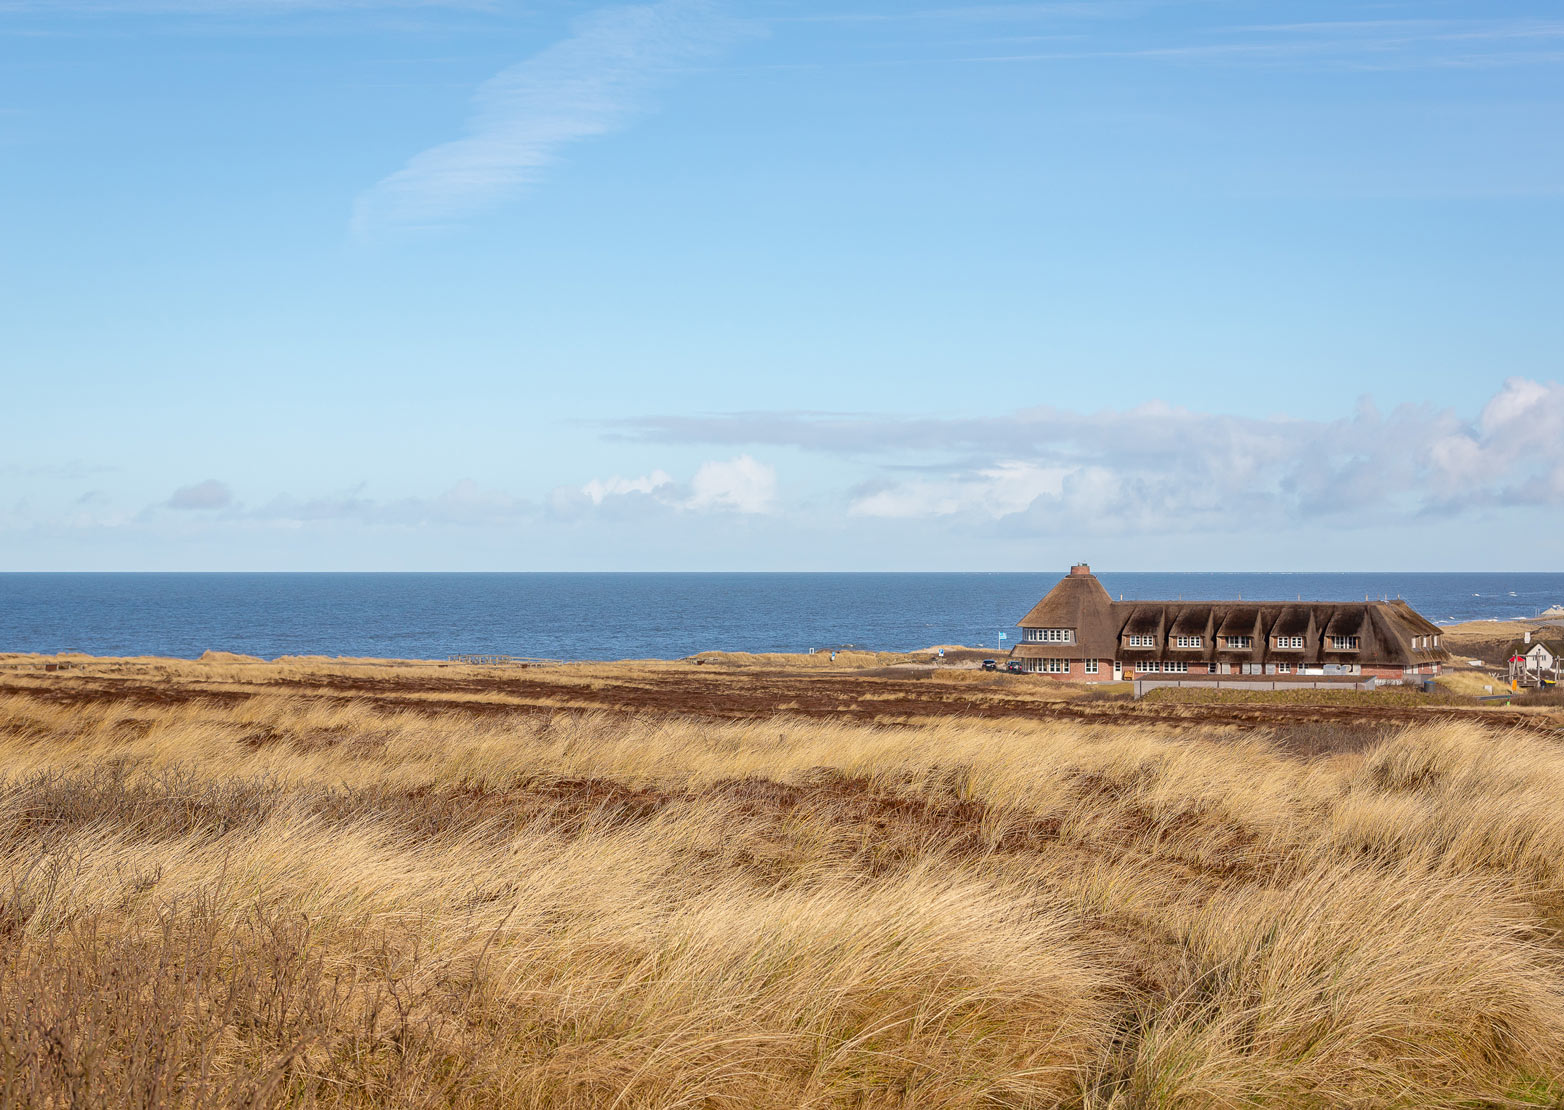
point(367, 284)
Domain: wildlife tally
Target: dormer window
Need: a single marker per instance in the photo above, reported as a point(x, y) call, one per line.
point(1290, 642)
point(1142, 641)
point(1233, 642)
point(1051, 635)
point(1188, 641)
point(1344, 643)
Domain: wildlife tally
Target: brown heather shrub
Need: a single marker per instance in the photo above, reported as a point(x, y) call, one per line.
point(266, 899)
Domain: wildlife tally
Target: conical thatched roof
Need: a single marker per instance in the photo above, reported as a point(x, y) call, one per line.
point(1079, 602)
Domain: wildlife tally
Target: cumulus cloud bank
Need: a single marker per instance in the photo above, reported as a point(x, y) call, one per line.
point(1161, 467)
point(741, 485)
point(599, 490)
point(1144, 475)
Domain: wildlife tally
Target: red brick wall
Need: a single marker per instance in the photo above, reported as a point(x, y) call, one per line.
point(1198, 670)
point(1078, 672)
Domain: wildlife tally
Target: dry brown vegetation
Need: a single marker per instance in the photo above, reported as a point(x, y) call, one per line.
point(228, 884)
point(1486, 640)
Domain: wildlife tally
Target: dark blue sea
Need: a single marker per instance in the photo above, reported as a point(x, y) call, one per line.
point(621, 616)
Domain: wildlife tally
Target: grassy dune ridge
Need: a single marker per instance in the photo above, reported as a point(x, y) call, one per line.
point(264, 896)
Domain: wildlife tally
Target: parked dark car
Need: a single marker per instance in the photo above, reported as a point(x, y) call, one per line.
point(990, 665)
point(1014, 667)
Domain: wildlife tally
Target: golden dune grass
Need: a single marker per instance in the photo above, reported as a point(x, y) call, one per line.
point(1472, 683)
point(285, 900)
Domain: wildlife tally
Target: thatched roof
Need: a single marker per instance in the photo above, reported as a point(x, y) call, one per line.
point(1238, 618)
point(1411, 617)
point(1293, 620)
point(1144, 620)
point(1077, 602)
point(1194, 620)
point(1348, 620)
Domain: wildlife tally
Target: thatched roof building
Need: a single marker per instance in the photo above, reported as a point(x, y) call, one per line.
point(1077, 620)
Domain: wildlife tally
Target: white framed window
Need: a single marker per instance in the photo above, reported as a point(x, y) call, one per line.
point(1150, 666)
point(1239, 641)
point(1175, 667)
point(1436, 641)
point(1284, 668)
point(1344, 643)
point(1289, 641)
point(1091, 666)
point(1143, 641)
point(1048, 666)
point(1188, 641)
point(1051, 635)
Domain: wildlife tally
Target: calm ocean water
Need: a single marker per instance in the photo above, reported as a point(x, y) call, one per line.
point(620, 616)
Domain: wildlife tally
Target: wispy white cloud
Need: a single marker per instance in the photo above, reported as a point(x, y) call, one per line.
point(73, 470)
point(1376, 43)
point(978, 13)
point(464, 504)
point(210, 494)
point(1116, 33)
point(211, 506)
point(588, 85)
point(226, 7)
point(740, 485)
point(1410, 30)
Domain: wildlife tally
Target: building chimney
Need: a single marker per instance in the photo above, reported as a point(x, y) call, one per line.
point(1080, 570)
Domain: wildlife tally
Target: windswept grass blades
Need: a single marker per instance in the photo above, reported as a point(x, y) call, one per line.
point(267, 897)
